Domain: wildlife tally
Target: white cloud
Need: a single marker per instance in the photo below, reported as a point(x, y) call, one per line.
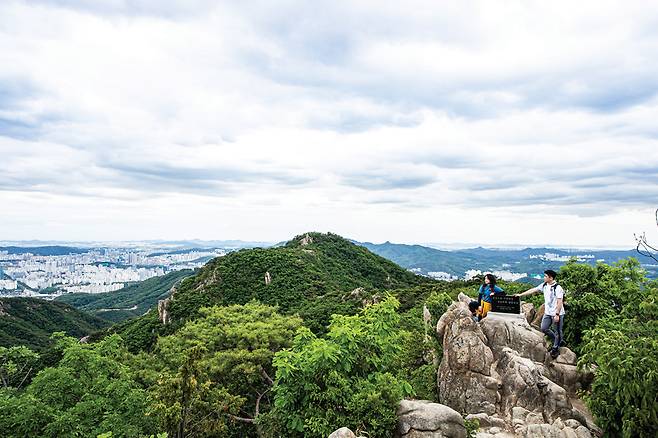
point(479, 121)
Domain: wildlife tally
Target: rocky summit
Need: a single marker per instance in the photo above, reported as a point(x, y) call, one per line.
point(499, 372)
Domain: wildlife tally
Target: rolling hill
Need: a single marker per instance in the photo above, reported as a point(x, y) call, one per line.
point(31, 321)
point(314, 275)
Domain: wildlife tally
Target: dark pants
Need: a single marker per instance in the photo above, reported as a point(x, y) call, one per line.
point(546, 327)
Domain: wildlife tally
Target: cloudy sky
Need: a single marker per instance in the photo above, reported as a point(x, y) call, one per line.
point(513, 122)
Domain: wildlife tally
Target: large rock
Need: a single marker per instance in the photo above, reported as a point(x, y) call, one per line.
point(500, 368)
point(466, 382)
point(424, 419)
point(343, 432)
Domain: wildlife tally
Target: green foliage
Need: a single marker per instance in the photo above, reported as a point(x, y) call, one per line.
point(188, 403)
point(91, 391)
point(16, 365)
point(437, 303)
point(597, 292)
point(345, 379)
point(421, 349)
point(129, 302)
point(141, 333)
point(31, 321)
point(624, 350)
point(216, 369)
point(472, 427)
point(313, 280)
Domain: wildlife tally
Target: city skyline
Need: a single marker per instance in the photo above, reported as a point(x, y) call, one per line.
point(525, 124)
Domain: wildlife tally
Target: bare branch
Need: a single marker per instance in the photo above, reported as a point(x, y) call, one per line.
point(242, 419)
point(267, 378)
point(24, 378)
point(643, 247)
point(260, 396)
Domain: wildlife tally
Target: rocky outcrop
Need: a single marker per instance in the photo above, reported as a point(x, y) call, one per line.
point(343, 432)
point(536, 320)
point(307, 240)
point(163, 307)
point(424, 419)
point(499, 371)
point(163, 312)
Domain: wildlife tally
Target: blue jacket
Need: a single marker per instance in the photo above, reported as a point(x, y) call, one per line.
point(484, 293)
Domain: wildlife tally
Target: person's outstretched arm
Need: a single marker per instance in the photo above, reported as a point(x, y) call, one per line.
point(531, 291)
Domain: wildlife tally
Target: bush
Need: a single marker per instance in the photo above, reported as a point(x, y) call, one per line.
point(623, 350)
point(346, 379)
point(597, 292)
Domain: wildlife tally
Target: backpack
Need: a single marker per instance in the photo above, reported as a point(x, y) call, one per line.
point(564, 296)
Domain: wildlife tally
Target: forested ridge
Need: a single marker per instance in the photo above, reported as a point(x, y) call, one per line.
point(31, 322)
point(304, 338)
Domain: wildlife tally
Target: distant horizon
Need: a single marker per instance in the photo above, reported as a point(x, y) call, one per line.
point(434, 245)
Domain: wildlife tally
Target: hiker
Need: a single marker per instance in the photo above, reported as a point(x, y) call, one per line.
point(473, 307)
point(553, 309)
point(487, 290)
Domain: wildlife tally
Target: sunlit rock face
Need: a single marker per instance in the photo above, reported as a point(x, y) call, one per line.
point(500, 372)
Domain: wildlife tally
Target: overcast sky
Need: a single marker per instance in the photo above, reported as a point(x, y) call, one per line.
point(512, 122)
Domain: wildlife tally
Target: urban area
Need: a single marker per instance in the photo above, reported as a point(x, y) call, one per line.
point(95, 270)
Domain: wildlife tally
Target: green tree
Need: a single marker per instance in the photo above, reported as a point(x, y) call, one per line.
point(189, 403)
point(216, 370)
point(90, 391)
point(345, 379)
point(16, 365)
point(623, 351)
point(597, 292)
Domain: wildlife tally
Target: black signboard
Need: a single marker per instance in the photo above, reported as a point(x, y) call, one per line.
point(506, 304)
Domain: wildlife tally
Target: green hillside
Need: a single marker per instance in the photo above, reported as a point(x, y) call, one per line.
point(312, 275)
point(31, 321)
point(129, 302)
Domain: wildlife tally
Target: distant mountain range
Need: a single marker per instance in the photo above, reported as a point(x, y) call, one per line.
point(529, 261)
point(425, 260)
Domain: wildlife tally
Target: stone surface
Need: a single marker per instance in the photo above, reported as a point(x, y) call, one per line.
point(482, 418)
point(163, 312)
point(424, 419)
point(465, 380)
point(558, 423)
point(566, 356)
point(568, 433)
point(542, 431)
point(583, 432)
point(528, 310)
point(343, 432)
point(539, 314)
point(500, 368)
point(486, 420)
point(574, 424)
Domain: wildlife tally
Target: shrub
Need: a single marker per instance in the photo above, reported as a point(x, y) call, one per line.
point(346, 379)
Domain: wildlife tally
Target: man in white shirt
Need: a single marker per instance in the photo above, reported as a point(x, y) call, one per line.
point(553, 309)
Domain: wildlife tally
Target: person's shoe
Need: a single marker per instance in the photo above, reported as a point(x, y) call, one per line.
point(555, 352)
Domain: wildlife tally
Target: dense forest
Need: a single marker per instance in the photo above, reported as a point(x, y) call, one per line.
point(30, 322)
point(304, 338)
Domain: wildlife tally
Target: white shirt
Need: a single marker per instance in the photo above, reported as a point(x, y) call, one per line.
point(551, 296)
